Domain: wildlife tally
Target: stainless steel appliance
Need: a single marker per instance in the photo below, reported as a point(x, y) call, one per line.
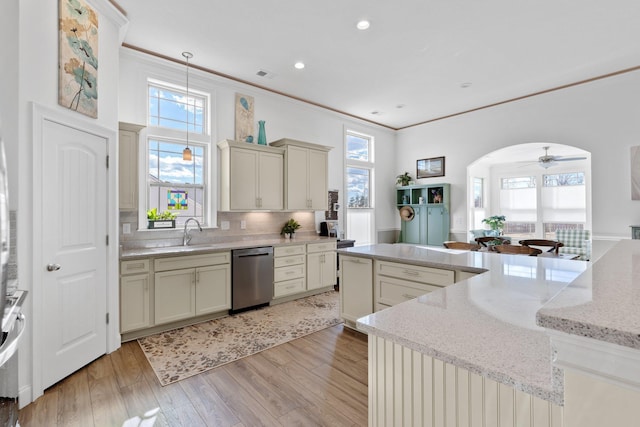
point(14, 323)
point(251, 278)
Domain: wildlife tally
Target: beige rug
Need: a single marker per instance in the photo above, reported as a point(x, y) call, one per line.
point(181, 353)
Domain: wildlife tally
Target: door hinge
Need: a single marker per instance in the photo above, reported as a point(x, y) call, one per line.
point(107, 240)
point(107, 318)
point(107, 162)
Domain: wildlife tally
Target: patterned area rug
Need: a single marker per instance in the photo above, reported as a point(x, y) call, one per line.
point(181, 353)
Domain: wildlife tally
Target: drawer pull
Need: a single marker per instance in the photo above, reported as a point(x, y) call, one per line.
point(290, 272)
point(407, 296)
point(139, 265)
point(411, 273)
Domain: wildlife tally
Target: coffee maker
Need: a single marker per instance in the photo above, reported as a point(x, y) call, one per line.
point(329, 228)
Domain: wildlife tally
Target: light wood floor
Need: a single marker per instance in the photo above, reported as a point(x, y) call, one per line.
point(320, 379)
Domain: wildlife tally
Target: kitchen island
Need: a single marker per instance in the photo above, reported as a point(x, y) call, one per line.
point(479, 351)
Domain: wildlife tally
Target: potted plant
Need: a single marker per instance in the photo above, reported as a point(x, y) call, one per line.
point(164, 219)
point(290, 228)
point(496, 222)
point(403, 179)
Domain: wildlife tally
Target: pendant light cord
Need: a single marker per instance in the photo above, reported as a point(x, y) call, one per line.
point(186, 153)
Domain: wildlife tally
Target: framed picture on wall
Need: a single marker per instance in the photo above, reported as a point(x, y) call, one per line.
point(429, 168)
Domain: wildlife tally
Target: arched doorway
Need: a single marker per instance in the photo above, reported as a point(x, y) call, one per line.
point(536, 194)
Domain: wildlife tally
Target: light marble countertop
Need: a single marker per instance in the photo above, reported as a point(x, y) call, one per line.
point(485, 324)
point(159, 251)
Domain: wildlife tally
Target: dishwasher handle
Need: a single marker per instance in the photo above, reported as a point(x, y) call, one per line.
point(250, 255)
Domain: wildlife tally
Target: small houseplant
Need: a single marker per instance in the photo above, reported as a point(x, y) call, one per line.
point(496, 223)
point(164, 219)
point(290, 228)
point(403, 179)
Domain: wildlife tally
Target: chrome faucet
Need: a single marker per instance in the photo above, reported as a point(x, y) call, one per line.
point(186, 237)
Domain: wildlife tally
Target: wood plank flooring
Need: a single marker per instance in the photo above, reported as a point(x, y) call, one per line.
point(317, 380)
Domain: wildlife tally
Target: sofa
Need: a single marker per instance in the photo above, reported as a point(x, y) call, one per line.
point(577, 242)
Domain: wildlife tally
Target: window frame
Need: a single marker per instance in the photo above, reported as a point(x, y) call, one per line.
point(203, 139)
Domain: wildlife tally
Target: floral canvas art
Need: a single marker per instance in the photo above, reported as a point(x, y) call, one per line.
point(78, 56)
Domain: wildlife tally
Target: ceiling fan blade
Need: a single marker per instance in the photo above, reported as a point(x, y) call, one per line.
point(565, 159)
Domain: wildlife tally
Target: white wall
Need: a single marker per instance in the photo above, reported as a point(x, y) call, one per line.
point(601, 117)
point(284, 117)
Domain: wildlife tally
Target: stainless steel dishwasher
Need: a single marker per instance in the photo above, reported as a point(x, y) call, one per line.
point(251, 278)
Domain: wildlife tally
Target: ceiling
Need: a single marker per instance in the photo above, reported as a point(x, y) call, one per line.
point(410, 66)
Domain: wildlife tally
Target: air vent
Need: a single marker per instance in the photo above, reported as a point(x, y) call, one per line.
point(266, 74)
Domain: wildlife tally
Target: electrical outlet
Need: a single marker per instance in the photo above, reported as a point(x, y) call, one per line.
point(126, 228)
point(224, 225)
point(243, 225)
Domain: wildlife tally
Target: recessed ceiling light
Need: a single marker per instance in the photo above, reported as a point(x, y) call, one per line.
point(299, 65)
point(363, 25)
point(465, 85)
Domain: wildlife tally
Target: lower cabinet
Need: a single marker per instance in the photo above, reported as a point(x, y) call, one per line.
point(289, 273)
point(202, 288)
point(356, 290)
point(321, 265)
point(134, 295)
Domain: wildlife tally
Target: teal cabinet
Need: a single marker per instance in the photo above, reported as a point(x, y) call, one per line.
point(430, 222)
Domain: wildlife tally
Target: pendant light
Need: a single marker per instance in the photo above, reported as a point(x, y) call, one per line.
point(186, 153)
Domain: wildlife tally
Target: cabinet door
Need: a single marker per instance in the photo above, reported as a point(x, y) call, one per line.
point(356, 287)
point(174, 295)
point(329, 269)
point(297, 178)
point(317, 176)
point(270, 181)
point(435, 226)
point(314, 270)
point(243, 179)
point(213, 289)
point(134, 302)
point(413, 231)
point(128, 170)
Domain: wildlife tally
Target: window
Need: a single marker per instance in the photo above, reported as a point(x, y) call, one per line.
point(176, 185)
point(173, 184)
point(359, 187)
point(563, 202)
point(478, 193)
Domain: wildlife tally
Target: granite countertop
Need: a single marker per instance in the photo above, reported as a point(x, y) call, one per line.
point(485, 324)
point(159, 251)
point(604, 302)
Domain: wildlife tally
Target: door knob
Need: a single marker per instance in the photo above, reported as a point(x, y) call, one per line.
point(53, 267)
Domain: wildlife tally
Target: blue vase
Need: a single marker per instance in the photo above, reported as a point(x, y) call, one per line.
point(262, 136)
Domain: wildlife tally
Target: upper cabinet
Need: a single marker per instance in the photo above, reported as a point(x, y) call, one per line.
point(251, 176)
point(128, 136)
point(306, 174)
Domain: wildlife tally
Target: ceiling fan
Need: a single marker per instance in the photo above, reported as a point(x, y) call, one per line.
point(549, 160)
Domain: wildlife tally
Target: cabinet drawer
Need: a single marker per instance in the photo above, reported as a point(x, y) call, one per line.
point(134, 267)
point(190, 261)
point(288, 287)
point(434, 276)
point(321, 247)
point(288, 260)
point(279, 251)
point(392, 291)
point(287, 273)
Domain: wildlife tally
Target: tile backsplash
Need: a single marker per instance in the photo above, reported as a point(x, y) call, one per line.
point(257, 225)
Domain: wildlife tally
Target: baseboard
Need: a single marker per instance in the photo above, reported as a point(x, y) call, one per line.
point(24, 396)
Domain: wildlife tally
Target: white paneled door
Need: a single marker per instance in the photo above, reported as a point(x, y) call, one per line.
point(74, 250)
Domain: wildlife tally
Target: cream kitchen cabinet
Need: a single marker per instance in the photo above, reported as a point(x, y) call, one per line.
point(251, 177)
point(395, 282)
point(321, 265)
point(289, 273)
point(190, 286)
point(306, 174)
point(128, 136)
point(134, 295)
point(356, 290)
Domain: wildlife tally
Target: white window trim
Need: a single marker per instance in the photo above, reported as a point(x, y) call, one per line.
point(347, 130)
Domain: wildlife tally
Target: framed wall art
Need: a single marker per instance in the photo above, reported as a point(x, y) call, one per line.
point(78, 57)
point(428, 168)
point(244, 118)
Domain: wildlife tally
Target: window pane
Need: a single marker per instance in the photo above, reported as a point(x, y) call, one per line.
point(358, 148)
point(358, 180)
point(166, 164)
point(190, 201)
point(170, 108)
point(478, 191)
point(518, 182)
point(563, 179)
